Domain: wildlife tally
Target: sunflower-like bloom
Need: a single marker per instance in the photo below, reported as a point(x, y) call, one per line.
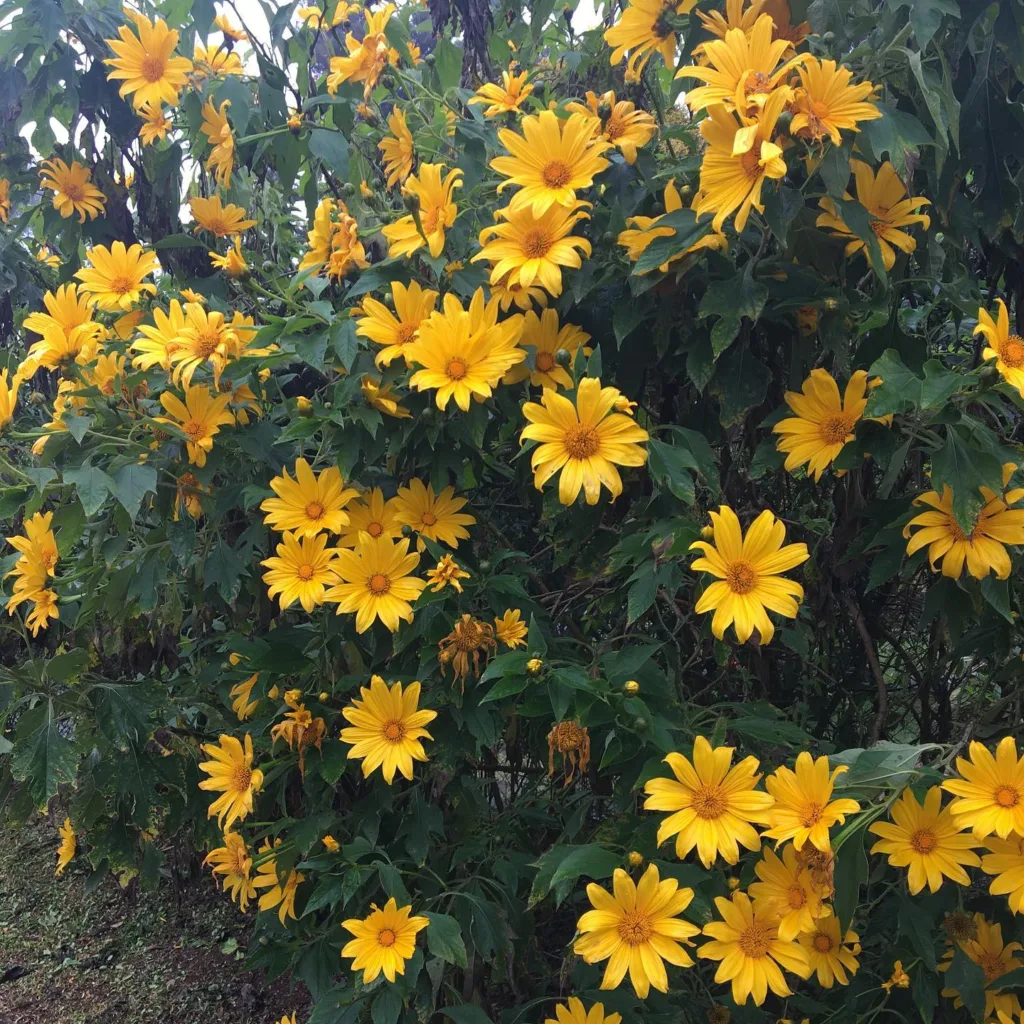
point(397, 149)
point(641, 231)
point(231, 31)
point(804, 810)
point(395, 331)
point(36, 563)
point(58, 348)
point(309, 503)
point(783, 22)
point(300, 730)
point(376, 582)
point(739, 14)
point(464, 353)
point(926, 840)
point(277, 895)
point(509, 293)
point(789, 886)
point(543, 335)
point(242, 702)
point(642, 30)
point(383, 941)
point(383, 398)
point(749, 571)
point(1005, 860)
point(524, 247)
point(830, 957)
point(65, 310)
point(584, 441)
point(446, 571)
point(506, 98)
point(159, 338)
point(387, 729)
point(217, 130)
point(738, 160)
point(510, 628)
point(990, 790)
point(220, 219)
point(233, 776)
point(233, 863)
point(373, 515)
point(713, 802)
point(334, 246)
point(889, 209)
point(199, 418)
point(995, 958)
point(551, 160)
point(826, 102)
point(232, 262)
point(114, 281)
point(65, 402)
point(573, 1012)
point(215, 62)
point(624, 127)
point(204, 338)
point(68, 847)
point(302, 570)
point(8, 397)
point(5, 200)
point(823, 422)
point(636, 928)
point(983, 548)
point(73, 192)
point(46, 255)
point(145, 63)
point(1005, 348)
point(436, 518)
point(155, 124)
point(367, 57)
point(469, 638)
point(437, 212)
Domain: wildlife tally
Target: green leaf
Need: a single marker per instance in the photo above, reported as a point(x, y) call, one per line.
point(997, 593)
point(64, 668)
point(512, 663)
point(91, 485)
point(444, 939)
point(731, 300)
point(536, 642)
point(386, 1006)
point(1012, 979)
point(781, 208)
point(224, 569)
point(968, 979)
point(918, 926)
point(561, 866)
point(448, 62)
point(327, 894)
point(642, 593)
point(851, 872)
point(688, 231)
point(669, 466)
point(179, 242)
point(467, 1013)
point(332, 148)
point(887, 764)
point(900, 389)
point(344, 341)
point(42, 757)
point(122, 711)
point(740, 383)
point(507, 687)
point(939, 384)
point(858, 220)
point(131, 484)
point(964, 470)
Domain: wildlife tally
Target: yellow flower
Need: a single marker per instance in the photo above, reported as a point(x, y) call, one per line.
point(232, 262)
point(889, 209)
point(926, 840)
point(199, 418)
point(737, 161)
point(241, 693)
point(436, 213)
point(302, 570)
point(331, 844)
point(546, 338)
point(550, 160)
point(742, 70)
point(192, 296)
point(65, 401)
point(37, 561)
point(211, 215)
point(506, 98)
point(67, 848)
point(899, 978)
point(624, 127)
point(735, 16)
point(383, 399)
point(233, 862)
point(574, 1013)
point(300, 731)
point(1005, 348)
point(747, 943)
point(585, 441)
point(987, 950)
point(217, 130)
point(464, 353)
point(643, 30)
point(804, 810)
point(984, 547)
point(387, 729)
point(66, 310)
point(788, 885)
point(371, 514)
point(294, 121)
point(215, 62)
point(990, 790)
point(145, 64)
point(5, 200)
point(366, 57)
point(469, 636)
point(159, 338)
point(525, 248)
point(634, 859)
point(397, 150)
point(395, 331)
point(203, 338)
point(823, 423)
point(826, 101)
point(364, 190)
point(534, 666)
point(636, 928)
point(58, 349)
point(233, 776)
point(334, 243)
point(446, 571)
point(507, 293)
point(47, 257)
point(510, 628)
point(312, 17)
point(830, 958)
point(384, 940)
point(641, 231)
point(714, 803)
point(749, 583)
point(44, 609)
point(73, 192)
point(436, 518)
point(277, 895)
point(114, 281)
point(1006, 861)
point(309, 503)
point(230, 31)
point(8, 397)
point(125, 325)
point(376, 582)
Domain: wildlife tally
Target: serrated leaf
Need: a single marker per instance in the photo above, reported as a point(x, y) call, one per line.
point(560, 867)
point(687, 232)
point(91, 485)
point(732, 300)
point(42, 757)
point(131, 484)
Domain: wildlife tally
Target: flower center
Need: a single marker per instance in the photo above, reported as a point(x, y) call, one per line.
point(122, 285)
point(822, 943)
point(708, 802)
point(536, 245)
point(379, 584)
point(456, 368)
point(405, 333)
point(74, 191)
point(581, 442)
point(386, 937)
point(956, 532)
point(393, 731)
point(812, 815)
point(991, 964)
point(304, 571)
point(153, 68)
point(1007, 796)
point(557, 174)
point(924, 840)
point(193, 431)
point(544, 361)
point(635, 928)
point(835, 430)
point(741, 577)
point(206, 343)
point(756, 940)
point(243, 778)
point(1013, 351)
point(819, 110)
point(796, 896)
point(428, 519)
point(314, 510)
point(614, 129)
point(878, 226)
point(430, 219)
point(751, 161)
point(374, 529)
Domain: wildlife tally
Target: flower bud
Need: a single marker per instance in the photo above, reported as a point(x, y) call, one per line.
point(412, 202)
point(563, 357)
point(634, 859)
point(630, 687)
point(324, 696)
point(831, 304)
point(304, 405)
point(640, 723)
point(534, 666)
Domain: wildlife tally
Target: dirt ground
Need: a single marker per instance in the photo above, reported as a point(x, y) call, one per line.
point(122, 956)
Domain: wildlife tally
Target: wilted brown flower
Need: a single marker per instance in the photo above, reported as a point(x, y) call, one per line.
point(821, 865)
point(300, 730)
point(572, 741)
point(469, 636)
point(960, 926)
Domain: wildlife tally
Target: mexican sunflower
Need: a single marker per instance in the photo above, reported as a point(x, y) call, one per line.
point(310, 503)
point(73, 192)
point(506, 98)
point(145, 63)
point(995, 958)
point(199, 417)
point(114, 281)
point(826, 102)
point(624, 127)
point(233, 776)
point(383, 941)
point(1005, 348)
point(989, 790)
point(642, 31)
point(395, 331)
point(436, 212)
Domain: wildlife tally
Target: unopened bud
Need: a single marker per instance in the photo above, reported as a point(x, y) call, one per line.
point(563, 357)
point(630, 687)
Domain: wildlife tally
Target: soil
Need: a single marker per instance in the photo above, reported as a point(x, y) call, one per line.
point(174, 955)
